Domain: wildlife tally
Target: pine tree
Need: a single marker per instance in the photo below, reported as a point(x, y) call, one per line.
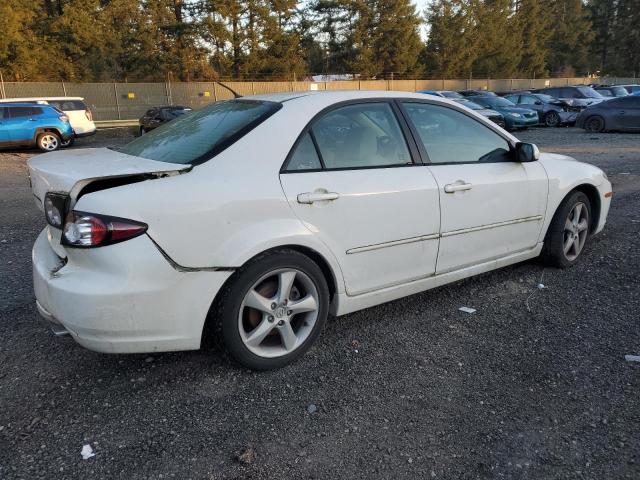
point(532, 19)
point(570, 39)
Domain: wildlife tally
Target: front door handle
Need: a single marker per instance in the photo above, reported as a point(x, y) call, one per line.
point(317, 196)
point(457, 186)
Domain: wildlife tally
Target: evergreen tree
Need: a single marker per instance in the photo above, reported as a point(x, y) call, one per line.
point(534, 22)
point(570, 39)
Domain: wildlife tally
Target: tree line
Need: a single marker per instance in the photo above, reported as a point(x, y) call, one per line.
point(188, 40)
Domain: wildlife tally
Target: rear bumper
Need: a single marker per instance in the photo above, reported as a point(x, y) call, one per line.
point(124, 298)
point(85, 134)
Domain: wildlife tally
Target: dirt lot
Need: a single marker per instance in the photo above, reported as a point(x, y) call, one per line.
point(410, 389)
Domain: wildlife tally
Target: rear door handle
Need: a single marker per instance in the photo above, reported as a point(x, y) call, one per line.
point(33, 119)
point(309, 198)
point(457, 186)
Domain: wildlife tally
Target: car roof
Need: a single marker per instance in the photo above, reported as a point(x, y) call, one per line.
point(336, 96)
point(35, 99)
point(24, 104)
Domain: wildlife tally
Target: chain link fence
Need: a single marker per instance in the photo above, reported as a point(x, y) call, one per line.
point(128, 101)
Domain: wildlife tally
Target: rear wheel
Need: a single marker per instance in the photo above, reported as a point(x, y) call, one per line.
point(568, 232)
point(48, 141)
point(594, 124)
point(274, 310)
point(68, 143)
point(551, 119)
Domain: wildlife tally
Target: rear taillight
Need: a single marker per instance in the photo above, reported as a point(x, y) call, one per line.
point(89, 115)
point(63, 118)
point(89, 230)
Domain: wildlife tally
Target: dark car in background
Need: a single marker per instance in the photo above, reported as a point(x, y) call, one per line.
point(580, 96)
point(551, 111)
point(477, 93)
point(610, 91)
point(514, 117)
point(156, 116)
point(617, 114)
point(491, 114)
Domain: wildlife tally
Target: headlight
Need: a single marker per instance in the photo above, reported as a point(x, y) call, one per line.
point(54, 208)
point(516, 115)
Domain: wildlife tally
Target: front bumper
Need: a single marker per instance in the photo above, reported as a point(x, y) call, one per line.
point(521, 122)
point(568, 117)
point(123, 298)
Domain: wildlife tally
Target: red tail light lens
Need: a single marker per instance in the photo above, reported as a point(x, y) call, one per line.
point(89, 115)
point(87, 230)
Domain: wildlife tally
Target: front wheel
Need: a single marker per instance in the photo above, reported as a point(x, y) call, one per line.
point(568, 232)
point(48, 141)
point(274, 309)
point(594, 124)
point(552, 119)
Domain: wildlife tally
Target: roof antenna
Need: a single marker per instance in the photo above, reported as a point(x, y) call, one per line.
point(235, 94)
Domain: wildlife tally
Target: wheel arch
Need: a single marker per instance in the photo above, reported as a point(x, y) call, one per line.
point(594, 200)
point(40, 130)
point(596, 115)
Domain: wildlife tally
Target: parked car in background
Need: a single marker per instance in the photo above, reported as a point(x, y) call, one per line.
point(632, 89)
point(492, 115)
point(442, 93)
point(80, 115)
point(298, 206)
point(477, 93)
point(579, 96)
point(27, 124)
point(617, 114)
point(514, 117)
point(156, 116)
point(551, 111)
point(610, 91)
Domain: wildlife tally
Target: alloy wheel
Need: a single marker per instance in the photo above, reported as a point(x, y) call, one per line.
point(49, 142)
point(594, 124)
point(552, 119)
point(576, 229)
point(278, 313)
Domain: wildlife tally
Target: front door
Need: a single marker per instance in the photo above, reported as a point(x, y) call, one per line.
point(351, 179)
point(491, 206)
point(627, 110)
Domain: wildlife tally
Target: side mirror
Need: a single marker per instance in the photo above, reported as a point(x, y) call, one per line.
point(526, 152)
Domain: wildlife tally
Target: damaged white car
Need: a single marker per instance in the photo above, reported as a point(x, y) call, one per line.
point(260, 216)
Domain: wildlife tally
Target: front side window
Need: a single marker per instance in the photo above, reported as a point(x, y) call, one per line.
point(450, 136)
point(363, 135)
point(527, 100)
point(195, 138)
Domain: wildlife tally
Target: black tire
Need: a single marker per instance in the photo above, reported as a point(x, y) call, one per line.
point(48, 141)
point(594, 124)
point(551, 119)
point(227, 308)
point(68, 143)
point(553, 253)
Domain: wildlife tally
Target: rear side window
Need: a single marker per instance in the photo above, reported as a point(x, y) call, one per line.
point(68, 105)
point(20, 112)
point(305, 156)
point(450, 136)
point(361, 136)
point(197, 137)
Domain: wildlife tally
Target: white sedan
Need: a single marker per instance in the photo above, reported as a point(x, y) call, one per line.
point(257, 217)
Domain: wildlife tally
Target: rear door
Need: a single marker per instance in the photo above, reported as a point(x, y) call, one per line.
point(491, 206)
point(352, 180)
point(22, 123)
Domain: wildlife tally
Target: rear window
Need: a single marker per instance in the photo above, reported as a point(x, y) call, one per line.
point(197, 137)
point(68, 105)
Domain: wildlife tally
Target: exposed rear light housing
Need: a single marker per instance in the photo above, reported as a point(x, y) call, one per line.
point(63, 118)
point(90, 230)
point(89, 115)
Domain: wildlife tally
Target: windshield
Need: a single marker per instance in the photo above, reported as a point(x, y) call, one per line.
point(589, 92)
point(545, 98)
point(494, 102)
point(197, 137)
point(470, 104)
point(619, 91)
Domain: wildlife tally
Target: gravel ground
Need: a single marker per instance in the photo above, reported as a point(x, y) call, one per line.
point(409, 389)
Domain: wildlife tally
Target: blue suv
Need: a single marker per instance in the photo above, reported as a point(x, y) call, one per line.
point(27, 124)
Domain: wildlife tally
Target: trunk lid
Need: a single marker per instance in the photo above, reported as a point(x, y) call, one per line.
point(69, 171)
